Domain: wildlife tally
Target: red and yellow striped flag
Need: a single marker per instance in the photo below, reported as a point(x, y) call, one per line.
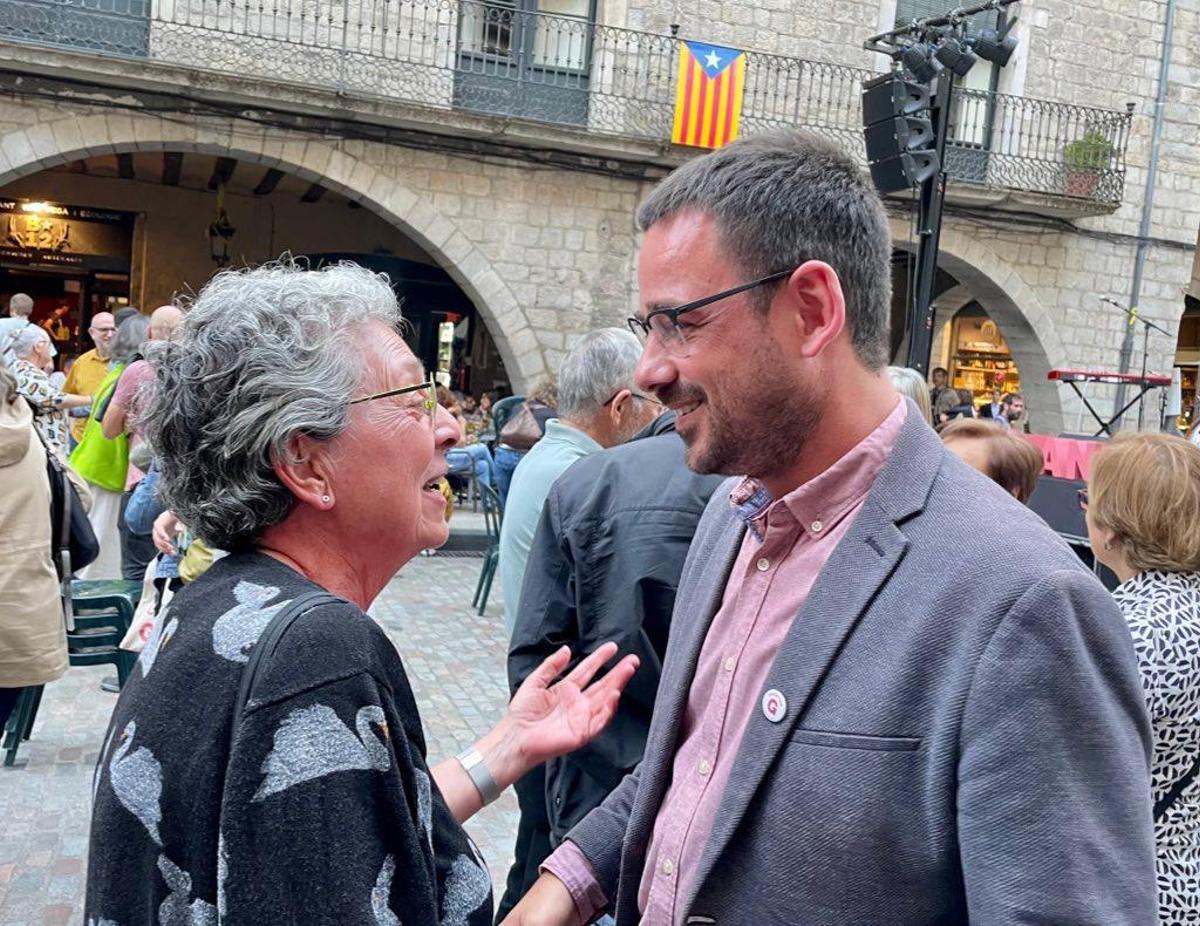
point(708, 95)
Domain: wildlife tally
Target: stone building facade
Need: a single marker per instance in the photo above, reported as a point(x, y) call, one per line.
point(533, 217)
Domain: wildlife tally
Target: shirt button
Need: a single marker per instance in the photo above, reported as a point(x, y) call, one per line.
point(764, 564)
point(730, 662)
point(705, 767)
point(667, 866)
point(817, 527)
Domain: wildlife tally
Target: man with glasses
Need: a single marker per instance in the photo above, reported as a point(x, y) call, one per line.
point(90, 368)
point(598, 407)
point(841, 734)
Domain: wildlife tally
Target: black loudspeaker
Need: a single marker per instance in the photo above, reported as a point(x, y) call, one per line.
point(889, 137)
point(898, 133)
point(904, 171)
point(891, 95)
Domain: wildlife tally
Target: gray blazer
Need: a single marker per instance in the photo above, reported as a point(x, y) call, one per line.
point(959, 746)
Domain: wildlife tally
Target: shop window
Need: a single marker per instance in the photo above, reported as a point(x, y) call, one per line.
point(1187, 358)
point(980, 361)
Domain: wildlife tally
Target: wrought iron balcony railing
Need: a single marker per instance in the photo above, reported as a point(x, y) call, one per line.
point(496, 57)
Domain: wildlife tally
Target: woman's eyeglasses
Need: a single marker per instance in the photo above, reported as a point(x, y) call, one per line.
point(426, 392)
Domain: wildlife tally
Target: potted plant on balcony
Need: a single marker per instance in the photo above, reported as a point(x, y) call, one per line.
point(1085, 158)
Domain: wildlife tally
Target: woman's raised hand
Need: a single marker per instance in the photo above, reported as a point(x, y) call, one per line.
point(549, 718)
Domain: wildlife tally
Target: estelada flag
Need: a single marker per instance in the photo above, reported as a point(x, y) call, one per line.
point(708, 94)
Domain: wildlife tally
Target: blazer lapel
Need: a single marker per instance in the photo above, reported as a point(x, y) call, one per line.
point(689, 626)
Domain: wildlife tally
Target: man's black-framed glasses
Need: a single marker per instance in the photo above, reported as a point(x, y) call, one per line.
point(427, 392)
point(665, 322)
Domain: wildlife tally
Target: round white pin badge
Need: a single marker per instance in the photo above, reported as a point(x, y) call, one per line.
point(774, 705)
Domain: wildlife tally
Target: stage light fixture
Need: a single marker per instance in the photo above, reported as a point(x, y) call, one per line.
point(919, 61)
point(994, 46)
point(955, 55)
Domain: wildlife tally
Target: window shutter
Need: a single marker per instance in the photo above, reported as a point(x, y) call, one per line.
point(908, 10)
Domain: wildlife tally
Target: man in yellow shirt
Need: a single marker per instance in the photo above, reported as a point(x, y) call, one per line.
point(91, 367)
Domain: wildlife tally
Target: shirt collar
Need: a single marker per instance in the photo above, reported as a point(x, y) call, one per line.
point(559, 432)
point(824, 500)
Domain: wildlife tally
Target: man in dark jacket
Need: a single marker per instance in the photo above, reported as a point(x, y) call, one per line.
point(604, 565)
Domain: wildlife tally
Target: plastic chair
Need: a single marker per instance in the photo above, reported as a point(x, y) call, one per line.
point(103, 612)
point(493, 517)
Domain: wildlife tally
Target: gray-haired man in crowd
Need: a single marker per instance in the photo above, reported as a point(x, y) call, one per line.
point(20, 307)
point(598, 407)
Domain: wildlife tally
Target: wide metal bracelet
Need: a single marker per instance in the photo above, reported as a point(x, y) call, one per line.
point(477, 770)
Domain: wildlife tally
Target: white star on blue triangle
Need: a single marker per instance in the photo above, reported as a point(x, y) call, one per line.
point(713, 58)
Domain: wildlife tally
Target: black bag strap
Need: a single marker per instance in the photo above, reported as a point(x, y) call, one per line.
point(268, 641)
point(1167, 801)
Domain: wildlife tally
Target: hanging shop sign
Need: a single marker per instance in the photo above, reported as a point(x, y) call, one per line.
point(50, 235)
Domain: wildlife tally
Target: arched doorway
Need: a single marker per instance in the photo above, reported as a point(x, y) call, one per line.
point(1027, 342)
point(143, 227)
point(315, 161)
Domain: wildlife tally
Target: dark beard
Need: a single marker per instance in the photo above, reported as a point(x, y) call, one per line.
point(762, 431)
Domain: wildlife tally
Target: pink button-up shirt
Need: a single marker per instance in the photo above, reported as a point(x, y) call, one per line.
point(787, 544)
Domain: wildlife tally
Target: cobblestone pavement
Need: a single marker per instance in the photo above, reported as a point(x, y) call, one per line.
point(455, 661)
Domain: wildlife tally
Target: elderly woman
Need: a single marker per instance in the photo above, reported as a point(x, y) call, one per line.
point(1142, 507)
point(297, 430)
point(50, 404)
point(1007, 459)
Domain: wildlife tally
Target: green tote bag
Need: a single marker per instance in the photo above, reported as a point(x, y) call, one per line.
point(97, 459)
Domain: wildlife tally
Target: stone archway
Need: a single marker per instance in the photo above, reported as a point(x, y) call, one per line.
point(35, 148)
point(1030, 332)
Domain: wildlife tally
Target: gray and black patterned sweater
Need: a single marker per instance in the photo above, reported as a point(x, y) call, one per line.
point(1163, 611)
point(324, 814)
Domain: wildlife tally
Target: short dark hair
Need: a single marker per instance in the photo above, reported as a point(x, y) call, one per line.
point(937, 370)
point(783, 197)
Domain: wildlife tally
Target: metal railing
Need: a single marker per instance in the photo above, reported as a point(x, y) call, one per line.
point(494, 57)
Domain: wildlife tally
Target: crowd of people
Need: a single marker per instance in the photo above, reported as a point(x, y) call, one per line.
point(746, 683)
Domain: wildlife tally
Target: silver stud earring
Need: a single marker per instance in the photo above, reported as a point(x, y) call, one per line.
point(324, 498)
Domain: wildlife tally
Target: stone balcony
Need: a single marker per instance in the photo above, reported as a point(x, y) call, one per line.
point(536, 81)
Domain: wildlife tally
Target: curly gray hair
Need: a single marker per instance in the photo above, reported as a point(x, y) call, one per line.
point(263, 355)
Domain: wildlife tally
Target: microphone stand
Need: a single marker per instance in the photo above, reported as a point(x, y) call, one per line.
point(1132, 315)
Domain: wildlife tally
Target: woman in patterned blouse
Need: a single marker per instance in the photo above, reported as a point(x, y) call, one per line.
point(296, 430)
point(1143, 514)
point(50, 404)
